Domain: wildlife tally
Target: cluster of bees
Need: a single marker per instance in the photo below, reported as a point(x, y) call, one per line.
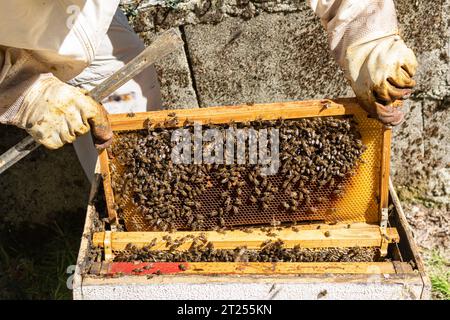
point(270, 251)
point(315, 154)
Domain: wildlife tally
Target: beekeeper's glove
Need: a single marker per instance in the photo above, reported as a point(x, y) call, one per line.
point(55, 113)
point(363, 37)
point(380, 72)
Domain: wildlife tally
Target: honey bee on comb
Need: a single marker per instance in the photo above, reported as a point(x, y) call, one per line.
point(273, 250)
point(152, 193)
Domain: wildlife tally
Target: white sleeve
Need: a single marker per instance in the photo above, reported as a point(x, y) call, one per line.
point(39, 38)
point(19, 70)
point(353, 22)
point(69, 28)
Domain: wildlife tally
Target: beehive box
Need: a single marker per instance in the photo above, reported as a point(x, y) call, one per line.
point(361, 221)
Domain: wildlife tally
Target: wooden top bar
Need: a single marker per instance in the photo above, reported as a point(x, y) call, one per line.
point(240, 113)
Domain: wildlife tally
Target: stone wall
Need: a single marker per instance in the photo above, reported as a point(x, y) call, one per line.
point(240, 51)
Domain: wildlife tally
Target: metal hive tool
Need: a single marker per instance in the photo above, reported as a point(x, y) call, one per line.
point(360, 202)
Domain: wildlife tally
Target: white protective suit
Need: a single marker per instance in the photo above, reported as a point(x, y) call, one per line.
point(36, 40)
point(82, 42)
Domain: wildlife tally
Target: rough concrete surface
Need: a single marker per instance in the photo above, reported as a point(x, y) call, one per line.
point(272, 57)
point(175, 78)
point(249, 288)
point(240, 51)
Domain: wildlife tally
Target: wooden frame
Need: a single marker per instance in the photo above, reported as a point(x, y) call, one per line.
point(245, 112)
point(109, 194)
point(248, 268)
point(384, 186)
point(374, 236)
point(306, 236)
point(272, 111)
point(385, 168)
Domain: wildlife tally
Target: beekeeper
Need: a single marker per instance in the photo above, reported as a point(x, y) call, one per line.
point(51, 51)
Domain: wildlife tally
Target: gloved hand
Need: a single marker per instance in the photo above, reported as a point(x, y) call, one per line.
point(363, 37)
point(381, 72)
point(55, 113)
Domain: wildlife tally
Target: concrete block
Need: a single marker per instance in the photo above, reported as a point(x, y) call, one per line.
point(174, 77)
point(408, 147)
point(424, 26)
point(272, 57)
point(431, 76)
point(437, 148)
point(160, 14)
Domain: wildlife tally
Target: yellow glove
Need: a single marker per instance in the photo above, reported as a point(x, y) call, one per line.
point(386, 67)
point(55, 113)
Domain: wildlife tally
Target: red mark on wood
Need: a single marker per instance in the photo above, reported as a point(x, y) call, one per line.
point(146, 268)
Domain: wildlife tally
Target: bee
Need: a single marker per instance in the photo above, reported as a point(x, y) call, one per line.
point(183, 193)
point(148, 266)
point(221, 231)
point(321, 199)
point(213, 213)
point(312, 210)
point(338, 193)
point(307, 200)
point(275, 223)
point(331, 211)
point(153, 242)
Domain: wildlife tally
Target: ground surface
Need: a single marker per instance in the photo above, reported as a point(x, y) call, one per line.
point(36, 260)
point(431, 228)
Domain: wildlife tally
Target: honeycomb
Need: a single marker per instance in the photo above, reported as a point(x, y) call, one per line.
point(359, 203)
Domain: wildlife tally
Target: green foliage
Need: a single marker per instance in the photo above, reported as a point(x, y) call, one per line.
point(34, 259)
point(173, 3)
point(439, 272)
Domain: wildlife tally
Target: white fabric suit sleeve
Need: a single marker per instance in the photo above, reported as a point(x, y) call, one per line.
point(43, 45)
point(353, 22)
point(19, 71)
point(37, 38)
